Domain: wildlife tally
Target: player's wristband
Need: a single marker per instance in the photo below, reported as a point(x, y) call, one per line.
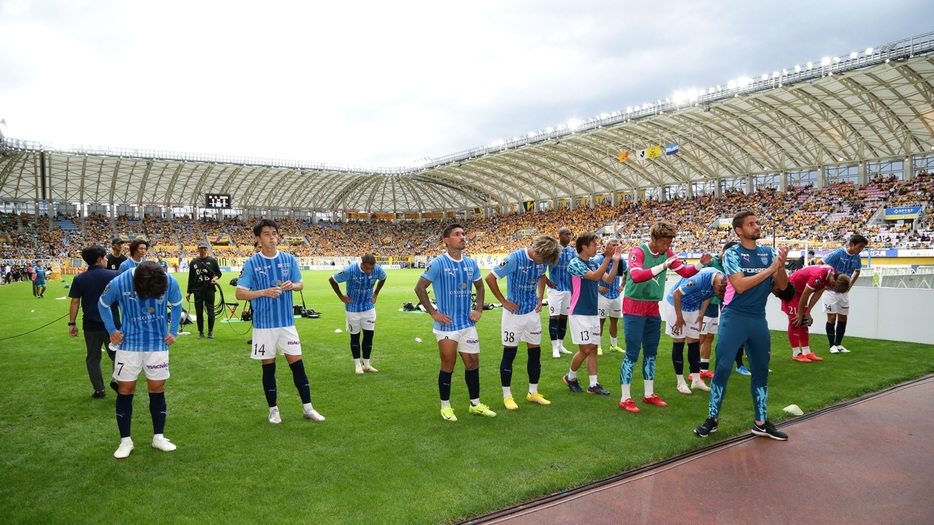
point(698, 266)
point(72, 324)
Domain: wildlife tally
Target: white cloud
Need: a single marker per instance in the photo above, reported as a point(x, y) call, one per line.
point(382, 83)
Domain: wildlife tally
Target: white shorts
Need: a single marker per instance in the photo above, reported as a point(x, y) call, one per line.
point(585, 329)
point(524, 327)
point(269, 342)
point(691, 328)
point(468, 342)
point(357, 321)
point(836, 303)
point(610, 307)
point(128, 365)
point(710, 325)
point(559, 303)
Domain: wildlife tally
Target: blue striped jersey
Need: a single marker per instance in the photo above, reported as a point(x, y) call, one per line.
point(583, 292)
point(843, 263)
point(144, 320)
point(360, 286)
point(748, 262)
point(261, 272)
point(522, 275)
point(694, 290)
point(612, 290)
point(451, 281)
point(558, 272)
point(129, 264)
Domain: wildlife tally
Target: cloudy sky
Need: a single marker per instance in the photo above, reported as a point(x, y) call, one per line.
point(384, 83)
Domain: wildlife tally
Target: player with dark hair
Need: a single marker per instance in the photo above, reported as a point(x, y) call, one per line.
point(86, 289)
point(360, 306)
point(138, 250)
point(522, 306)
point(685, 305)
point(38, 282)
point(845, 261)
point(203, 272)
point(753, 272)
point(452, 275)
point(116, 256)
point(559, 294)
point(584, 319)
point(268, 280)
point(808, 284)
point(144, 293)
point(642, 321)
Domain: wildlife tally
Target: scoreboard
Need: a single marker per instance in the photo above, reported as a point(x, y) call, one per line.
point(219, 201)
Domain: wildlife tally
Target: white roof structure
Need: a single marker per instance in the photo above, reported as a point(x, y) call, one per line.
point(875, 105)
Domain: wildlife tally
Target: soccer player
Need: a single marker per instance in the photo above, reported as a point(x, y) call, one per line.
point(360, 305)
point(39, 281)
point(711, 323)
point(685, 304)
point(144, 293)
point(642, 322)
point(845, 261)
point(559, 294)
point(809, 284)
point(752, 271)
point(138, 249)
point(203, 272)
point(610, 305)
point(116, 257)
point(522, 307)
point(451, 275)
point(268, 280)
point(584, 321)
point(86, 289)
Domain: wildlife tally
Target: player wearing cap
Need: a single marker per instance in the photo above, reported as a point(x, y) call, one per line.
point(203, 272)
point(360, 306)
point(116, 257)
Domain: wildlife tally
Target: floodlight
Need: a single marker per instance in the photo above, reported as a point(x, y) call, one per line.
point(869, 51)
point(853, 55)
point(825, 61)
point(810, 65)
point(797, 68)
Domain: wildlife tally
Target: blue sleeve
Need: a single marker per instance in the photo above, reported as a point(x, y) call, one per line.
point(507, 267)
point(431, 271)
point(103, 306)
point(476, 271)
point(578, 268)
point(380, 273)
point(731, 262)
point(295, 273)
point(343, 275)
point(175, 301)
point(246, 276)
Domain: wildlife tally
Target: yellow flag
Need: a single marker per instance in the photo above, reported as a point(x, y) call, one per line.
point(653, 152)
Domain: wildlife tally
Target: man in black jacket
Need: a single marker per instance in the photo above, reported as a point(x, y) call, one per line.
point(203, 272)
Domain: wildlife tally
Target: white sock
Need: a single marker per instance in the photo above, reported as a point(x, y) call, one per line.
point(614, 341)
point(366, 362)
point(128, 439)
point(649, 388)
point(445, 404)
point(806, 350)
point(307, 407)
point(533, 388)
point(572, 374)
point(593, 380)
point(356, 362)
point(681, 380)
point(507, 392)
point(475, 402)
point(625, 389)
point(555, 348)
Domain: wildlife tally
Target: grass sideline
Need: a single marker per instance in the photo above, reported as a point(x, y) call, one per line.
point(384, 455)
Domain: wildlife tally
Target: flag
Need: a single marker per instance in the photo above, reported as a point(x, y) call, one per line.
point(671, 149)
point(653, 152)
point(623, 156)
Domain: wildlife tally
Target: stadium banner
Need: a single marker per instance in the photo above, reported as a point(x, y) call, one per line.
point(582, 202)
point(432, 215)
point(902, 212)
point(623, 156)
point(604, 199)
point(671, 149)
point(654, 152)
point(528, 205)
point(724, 224)
point(629, 196)
point(563, 204)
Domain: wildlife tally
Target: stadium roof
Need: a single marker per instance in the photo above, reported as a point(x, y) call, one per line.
point(875, 105)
